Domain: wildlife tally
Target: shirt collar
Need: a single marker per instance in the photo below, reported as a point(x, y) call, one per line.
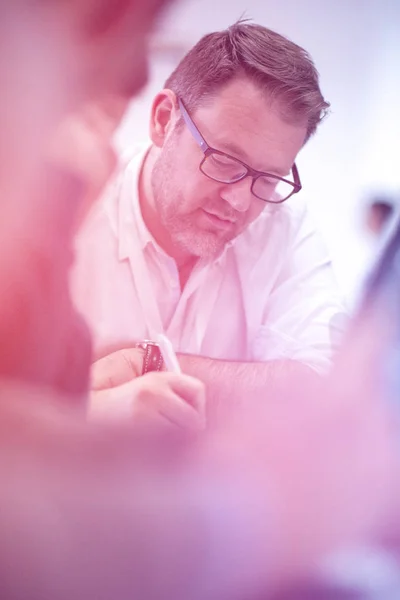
point(144, 235)
point(130, 220)
point(130, 214)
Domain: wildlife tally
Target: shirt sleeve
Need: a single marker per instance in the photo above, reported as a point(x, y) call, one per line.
point(304, 317)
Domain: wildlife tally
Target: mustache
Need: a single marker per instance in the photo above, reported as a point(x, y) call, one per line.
point(226, 215)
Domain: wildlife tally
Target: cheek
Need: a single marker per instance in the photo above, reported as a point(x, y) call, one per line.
point(255, 209)
point(193, 189)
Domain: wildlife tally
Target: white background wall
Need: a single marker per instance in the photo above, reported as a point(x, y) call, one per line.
point(356, 47)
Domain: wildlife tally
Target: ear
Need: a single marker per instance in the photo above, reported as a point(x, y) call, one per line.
point(164, 114)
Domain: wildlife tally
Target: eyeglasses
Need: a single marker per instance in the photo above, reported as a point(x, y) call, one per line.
point(224, 168)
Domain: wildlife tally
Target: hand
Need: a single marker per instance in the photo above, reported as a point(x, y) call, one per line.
point(158, 399)
point(117, 368)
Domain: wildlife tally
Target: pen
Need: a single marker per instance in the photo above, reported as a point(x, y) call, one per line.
point(168, 354)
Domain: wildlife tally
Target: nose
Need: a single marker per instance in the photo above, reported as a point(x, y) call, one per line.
point(238, 195)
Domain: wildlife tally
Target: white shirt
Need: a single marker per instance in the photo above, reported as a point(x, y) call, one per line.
point(271, 294)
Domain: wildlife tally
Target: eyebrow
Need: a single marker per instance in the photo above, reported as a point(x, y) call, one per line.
point(237, 152)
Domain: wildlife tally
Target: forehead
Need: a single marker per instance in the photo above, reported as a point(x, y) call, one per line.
point(241, 120)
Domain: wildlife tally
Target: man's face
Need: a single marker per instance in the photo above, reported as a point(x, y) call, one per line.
point(202, 215)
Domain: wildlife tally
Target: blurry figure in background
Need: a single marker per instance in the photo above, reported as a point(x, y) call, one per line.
point(55, 59)
point(69, 71)
point(203, 235)
point(379, 212)
point(368, 371)
point(59, 63)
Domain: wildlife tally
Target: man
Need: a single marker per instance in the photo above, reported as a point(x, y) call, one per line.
point(203, 236)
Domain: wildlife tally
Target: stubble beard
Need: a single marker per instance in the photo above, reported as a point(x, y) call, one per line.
point(182, 229)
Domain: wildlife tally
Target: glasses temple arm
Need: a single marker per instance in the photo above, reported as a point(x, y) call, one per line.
point(192, 127)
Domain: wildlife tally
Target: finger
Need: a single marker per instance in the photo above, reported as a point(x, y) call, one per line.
point(116, 368)
point(117, 404)
point(144, 397)
point(149, 418)
point(110, 404)
point(156, 390)
point(180, 413)
point(189, 388)
point(153, 392)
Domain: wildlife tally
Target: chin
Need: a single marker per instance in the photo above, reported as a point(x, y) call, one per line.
point(203, 245)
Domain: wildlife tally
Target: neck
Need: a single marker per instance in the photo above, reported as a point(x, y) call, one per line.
point(151, 218)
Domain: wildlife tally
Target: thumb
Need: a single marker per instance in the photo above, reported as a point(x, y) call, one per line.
point(116, 368)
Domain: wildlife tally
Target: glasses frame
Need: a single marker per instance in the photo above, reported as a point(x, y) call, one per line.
point(250, 172)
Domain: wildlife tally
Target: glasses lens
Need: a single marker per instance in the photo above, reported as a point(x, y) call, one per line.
point(223, 168)
point(272, 189)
